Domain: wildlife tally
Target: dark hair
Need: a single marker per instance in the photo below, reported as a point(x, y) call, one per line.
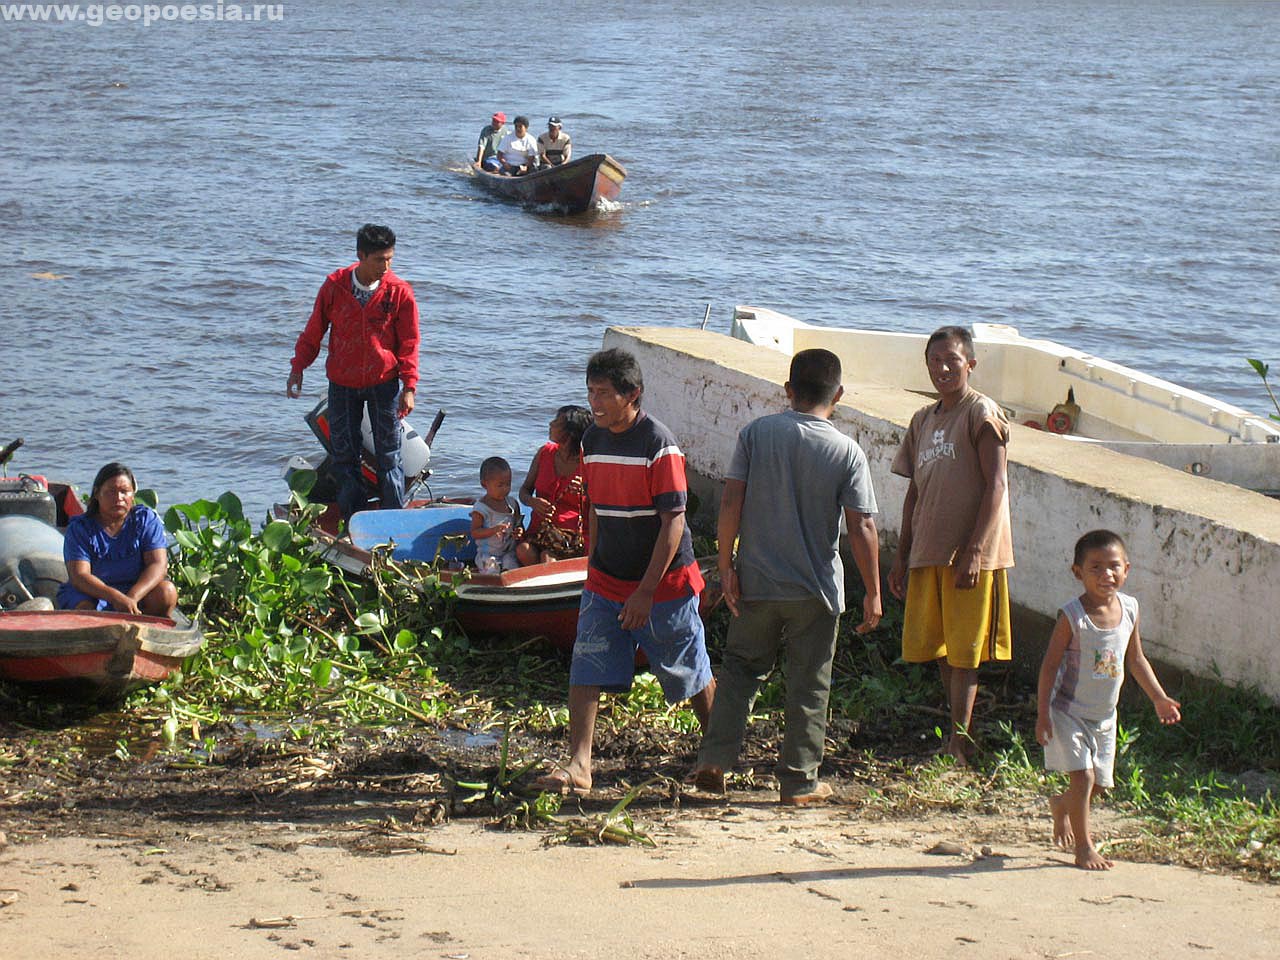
point(815, 376)
point(109, 472)
point(520, 121)
point(493, 466)
point(619, 367)
point(961, 334)
point(372, 238)
point(1097, 540)
point(576, 420)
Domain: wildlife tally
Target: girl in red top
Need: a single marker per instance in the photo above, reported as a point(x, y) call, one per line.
point(553, 489)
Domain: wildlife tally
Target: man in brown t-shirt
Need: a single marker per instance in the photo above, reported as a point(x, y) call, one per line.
point(956, 543)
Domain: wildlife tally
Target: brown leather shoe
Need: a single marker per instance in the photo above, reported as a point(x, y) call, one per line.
point(818, 793)
point(709, 779)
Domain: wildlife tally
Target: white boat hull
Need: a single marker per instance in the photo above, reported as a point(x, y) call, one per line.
point(1206, 555)
point(1123, 409)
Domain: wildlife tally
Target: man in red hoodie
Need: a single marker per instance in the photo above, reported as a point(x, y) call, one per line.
point(372, 319)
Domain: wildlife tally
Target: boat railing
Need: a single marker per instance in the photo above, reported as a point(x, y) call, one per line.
point(1170, 402)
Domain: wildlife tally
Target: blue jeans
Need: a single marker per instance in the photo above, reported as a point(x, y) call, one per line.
point(604, 654)
point(346, 411)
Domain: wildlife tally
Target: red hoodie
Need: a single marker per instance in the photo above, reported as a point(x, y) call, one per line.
point(367, 345)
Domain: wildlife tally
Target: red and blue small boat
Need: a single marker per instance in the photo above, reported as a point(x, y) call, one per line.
point(78, 654)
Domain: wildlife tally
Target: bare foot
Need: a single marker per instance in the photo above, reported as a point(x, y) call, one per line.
point(958, 750)
point(563, 781)
point(1062, 835)
point(1087, 858)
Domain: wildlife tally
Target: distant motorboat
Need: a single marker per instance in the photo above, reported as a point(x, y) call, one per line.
point(573, 187)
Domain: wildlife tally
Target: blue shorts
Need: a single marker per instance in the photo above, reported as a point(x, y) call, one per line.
point(69, 598)
point(604, 654)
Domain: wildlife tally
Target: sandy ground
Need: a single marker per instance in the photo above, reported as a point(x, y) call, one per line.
point(738, 881)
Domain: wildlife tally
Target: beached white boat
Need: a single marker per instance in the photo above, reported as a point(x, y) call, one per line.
point(1049, 386)
point(1206, 555)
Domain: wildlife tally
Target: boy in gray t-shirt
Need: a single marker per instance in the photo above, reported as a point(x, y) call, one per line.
point(792, 476)
point(1095, 639)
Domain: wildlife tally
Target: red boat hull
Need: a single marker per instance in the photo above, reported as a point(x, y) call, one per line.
point(535, 602)
point(92, 654)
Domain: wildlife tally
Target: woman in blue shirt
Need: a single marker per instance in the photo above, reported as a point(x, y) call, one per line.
point(115, 552)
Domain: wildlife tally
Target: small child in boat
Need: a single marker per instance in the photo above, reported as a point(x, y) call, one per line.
point(1095, 638)
point(495, 518)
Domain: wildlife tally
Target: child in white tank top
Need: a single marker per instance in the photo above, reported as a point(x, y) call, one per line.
point(1095, 638)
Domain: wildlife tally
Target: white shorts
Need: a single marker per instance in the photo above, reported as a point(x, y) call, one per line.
point(1079, 744)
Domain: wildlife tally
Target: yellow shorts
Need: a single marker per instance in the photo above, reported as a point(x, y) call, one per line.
point(968, 627)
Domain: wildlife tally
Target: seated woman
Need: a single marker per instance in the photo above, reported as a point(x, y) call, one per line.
point(115, 552)
point(553, 489)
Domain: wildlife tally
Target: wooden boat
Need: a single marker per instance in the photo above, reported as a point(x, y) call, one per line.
point(534, 602)
point(72, 653)
point(1205, 555)
point(538, 601)
point(91, 654)
point(573, 187)
point(1051, 387)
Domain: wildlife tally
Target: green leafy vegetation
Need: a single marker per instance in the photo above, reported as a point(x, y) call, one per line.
point(350, 676)
point(1261, 369)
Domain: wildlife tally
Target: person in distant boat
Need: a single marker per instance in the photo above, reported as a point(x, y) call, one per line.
point(554, 146)
point(115, 552)
point(553, 490)
point(518, 152)
point(490, 139)
point(372, 320)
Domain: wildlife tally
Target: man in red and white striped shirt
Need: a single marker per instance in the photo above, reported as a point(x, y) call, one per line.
point(643, 583)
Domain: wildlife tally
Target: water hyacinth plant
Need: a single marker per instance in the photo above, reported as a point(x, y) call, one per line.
point(290, 634)
point(1262, 369)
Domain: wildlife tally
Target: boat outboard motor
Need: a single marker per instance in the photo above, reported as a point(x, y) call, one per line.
point(30, 561)
point(415, 452)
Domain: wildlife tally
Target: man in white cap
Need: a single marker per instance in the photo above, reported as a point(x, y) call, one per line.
point(490, 137)
point(554, 146)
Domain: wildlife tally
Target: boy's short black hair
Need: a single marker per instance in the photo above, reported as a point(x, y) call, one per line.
point(372, 238)
point(520, 121)
point(493, 466)
point(1097, 540)
point(961, 334)
point(815, 376)
point(619, 367)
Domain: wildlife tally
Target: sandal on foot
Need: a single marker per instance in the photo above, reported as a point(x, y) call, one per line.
point(561, 783)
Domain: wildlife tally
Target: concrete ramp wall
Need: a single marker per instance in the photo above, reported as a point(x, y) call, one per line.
point(1206, 555)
